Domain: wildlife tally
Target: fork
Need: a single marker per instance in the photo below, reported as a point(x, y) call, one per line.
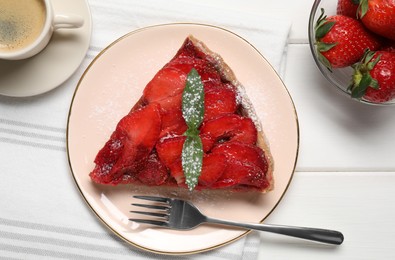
point(183, 215)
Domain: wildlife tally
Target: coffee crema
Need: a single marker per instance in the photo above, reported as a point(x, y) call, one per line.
point(21, 23)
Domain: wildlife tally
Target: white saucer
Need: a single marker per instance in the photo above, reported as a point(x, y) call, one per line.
point(56, 63)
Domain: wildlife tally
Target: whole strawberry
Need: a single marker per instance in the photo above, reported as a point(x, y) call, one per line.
point(347, 7)
point(378, 16)
point(374, 77)
point(341, 40)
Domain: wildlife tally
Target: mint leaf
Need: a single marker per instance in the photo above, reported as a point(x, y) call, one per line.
point(193, 100)
point(193, 112)
point(192, 160)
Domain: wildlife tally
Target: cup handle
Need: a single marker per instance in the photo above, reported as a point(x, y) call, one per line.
point(67, 21)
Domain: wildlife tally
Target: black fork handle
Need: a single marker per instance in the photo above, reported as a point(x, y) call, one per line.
point(315, 234)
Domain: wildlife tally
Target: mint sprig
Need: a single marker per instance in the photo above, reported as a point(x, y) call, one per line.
point(193, 100)
point(192, 160)
point(193, 112)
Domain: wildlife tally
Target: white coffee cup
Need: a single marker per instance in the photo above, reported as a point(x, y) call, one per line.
point(19, 39)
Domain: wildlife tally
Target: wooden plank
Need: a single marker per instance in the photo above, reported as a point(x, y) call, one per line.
point(336, 133)
point(360, 205)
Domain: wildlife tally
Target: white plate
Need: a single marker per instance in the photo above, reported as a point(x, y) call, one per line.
point(56, 63)
point(113, 83)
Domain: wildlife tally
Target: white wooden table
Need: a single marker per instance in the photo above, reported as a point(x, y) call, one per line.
point(345, 175)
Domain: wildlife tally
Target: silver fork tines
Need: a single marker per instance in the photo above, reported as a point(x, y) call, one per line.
point(183, 215)
point(153, 198)
point(154, 214)
point(162, 205)
point(159, 207)
point(150, 222)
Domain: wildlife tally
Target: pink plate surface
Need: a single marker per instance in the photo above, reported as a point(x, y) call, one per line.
point(114, 82)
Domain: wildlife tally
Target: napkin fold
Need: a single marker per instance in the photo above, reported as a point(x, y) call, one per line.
point(42, 214)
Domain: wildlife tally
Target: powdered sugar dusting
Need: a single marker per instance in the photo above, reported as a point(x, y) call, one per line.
point(241, 95)
point(193, 100)
point(106, 112)
point(247, 106)
point(192, 160)
point(189, 112)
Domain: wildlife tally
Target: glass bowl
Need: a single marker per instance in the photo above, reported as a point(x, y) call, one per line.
point(338, 77)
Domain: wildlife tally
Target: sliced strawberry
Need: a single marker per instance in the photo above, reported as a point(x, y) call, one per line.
point(167, 83)
point(112, 150)
point(177, 173)
point(173, 122)
point(244, 153)
point(214, 165)
point(154, 172)
point(218, 101)
point(207, 141)
point(241, 174)
point(184, 64)
point(189, 57)
point(106, 158)
point(230, 127)
point(188, 49)
point(246, 165)
point(170, 149)
point(171, 103)
point(142, 127)
point(127, 178)
point(174, 130)
point(206, 69)
point(129, 145)
point(171, 117)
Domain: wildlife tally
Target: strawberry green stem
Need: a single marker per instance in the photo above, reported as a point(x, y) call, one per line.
point(322, 27)
point(361, 78)
point(362, 8)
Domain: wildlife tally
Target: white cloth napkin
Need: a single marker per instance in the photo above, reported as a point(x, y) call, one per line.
point(42, 215)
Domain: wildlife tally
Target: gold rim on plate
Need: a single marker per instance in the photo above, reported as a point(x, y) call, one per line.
point(76, 134)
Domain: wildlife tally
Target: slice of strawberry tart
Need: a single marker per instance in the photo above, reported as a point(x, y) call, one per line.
point(193, 127)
